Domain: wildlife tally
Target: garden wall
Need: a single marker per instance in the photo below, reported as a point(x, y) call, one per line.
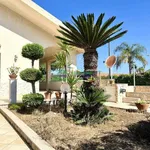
point(142, 89)
point(144, 96)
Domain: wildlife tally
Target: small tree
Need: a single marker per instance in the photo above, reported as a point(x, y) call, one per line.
point(62, 57)
point(72, 79)
point(31, 75)
point(33, 52)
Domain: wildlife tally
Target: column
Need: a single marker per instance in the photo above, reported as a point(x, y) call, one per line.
point(48, 74)
point(12, 90)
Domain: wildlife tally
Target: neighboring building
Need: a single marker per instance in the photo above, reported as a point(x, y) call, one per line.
point(22, 22)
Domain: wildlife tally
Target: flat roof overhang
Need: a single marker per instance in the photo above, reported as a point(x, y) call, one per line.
point(41, 18)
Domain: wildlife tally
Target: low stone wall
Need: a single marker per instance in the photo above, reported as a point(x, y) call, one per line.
point(144, 96)
point(142, 89)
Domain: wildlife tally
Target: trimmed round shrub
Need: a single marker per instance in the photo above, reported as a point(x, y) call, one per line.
point(31, 75)
point(33, 99)
point(32, 51)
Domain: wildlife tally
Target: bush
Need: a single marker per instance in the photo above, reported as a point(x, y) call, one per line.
point(32, 51)
point(33, 100)
point(18, 106)
point(140, 79)
point(89, 106)
point(31, 75)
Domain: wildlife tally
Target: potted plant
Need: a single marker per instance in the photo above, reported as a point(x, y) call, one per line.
point(48, 94)
point(91, 79)
point(58, 95)
point(142, 105)
point(13, 71)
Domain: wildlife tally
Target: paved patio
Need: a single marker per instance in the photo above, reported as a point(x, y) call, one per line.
point(4, 102)
point(9, 138)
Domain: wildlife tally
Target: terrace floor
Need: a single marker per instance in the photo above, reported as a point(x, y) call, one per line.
point(9, 138)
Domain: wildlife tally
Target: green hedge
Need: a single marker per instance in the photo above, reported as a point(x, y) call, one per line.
point(140, 79)
point(33, 99)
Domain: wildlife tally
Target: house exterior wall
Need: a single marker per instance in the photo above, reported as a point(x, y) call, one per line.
point(15, 32)
point(72, 57)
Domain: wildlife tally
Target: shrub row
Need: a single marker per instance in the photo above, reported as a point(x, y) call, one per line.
point(140, 79)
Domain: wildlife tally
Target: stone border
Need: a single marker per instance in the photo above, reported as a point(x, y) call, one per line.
point(32, 138)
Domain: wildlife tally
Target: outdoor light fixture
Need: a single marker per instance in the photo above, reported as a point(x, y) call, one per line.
point(72, 68)
point(65, 88)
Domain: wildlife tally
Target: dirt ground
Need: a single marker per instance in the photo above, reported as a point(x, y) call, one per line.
point(63, 134)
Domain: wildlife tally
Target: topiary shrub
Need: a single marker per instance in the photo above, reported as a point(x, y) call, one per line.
point(33, 99)
point(31, 75)
point(89, 108)
point(32, 51)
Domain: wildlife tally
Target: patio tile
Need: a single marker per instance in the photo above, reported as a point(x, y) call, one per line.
point(2, 146)
point(16, 147)
point(3, 131)
point(5, 139)
point(9, 138)
point(18, 141)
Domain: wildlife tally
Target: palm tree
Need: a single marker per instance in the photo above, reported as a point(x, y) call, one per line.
point(140, 70)
point(89, 34)
point(72, 80)
point(62, 56)
point(129, 54)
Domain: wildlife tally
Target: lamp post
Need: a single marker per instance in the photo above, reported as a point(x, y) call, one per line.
point(110, 76)
point(65, 88)
point(134, 76)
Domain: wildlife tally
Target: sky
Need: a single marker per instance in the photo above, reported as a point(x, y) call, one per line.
point(134, 13)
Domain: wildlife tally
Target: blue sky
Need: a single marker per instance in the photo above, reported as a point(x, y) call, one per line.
point(134, 13)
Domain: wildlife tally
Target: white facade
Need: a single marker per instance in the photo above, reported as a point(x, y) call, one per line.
point(15, 32)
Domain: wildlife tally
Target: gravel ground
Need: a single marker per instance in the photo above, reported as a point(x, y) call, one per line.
point(63, 134)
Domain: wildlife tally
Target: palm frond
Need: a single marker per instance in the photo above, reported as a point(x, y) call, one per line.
point(141, 59)
point(87, 33)
point(119, 61)
point(120, 48)
point(129, 54)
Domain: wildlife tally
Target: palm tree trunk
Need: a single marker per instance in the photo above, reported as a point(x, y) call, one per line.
point(91, 61)
point(130, 68)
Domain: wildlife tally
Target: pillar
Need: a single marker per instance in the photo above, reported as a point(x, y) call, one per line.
point(48, 74)
point(12, 90)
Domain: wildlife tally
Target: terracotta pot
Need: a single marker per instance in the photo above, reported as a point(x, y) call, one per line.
point(142, 107)
point(47, 95)
point(111, 81)
point(58, 95)
point(13, 76)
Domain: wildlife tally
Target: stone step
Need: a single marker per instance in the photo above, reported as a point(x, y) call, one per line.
point(130, 99)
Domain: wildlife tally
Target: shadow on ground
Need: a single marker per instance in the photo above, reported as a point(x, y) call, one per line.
point(120, 140)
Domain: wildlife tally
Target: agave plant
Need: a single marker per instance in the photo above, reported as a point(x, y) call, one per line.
point(87, 33)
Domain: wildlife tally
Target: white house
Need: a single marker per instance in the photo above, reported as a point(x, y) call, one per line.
point(22, 22)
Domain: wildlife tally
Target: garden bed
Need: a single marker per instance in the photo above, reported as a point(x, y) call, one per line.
point(63, 134)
